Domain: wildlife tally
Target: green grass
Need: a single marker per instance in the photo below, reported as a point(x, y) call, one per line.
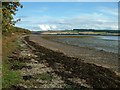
point(10, 78)
point(17, 65)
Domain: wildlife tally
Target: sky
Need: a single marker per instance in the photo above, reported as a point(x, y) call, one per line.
point(43, 16)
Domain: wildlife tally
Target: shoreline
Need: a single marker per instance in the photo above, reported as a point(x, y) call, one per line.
point(61, 39)
point(100, 58)
point(52, 37)
point(71, 67)
point(83, 34)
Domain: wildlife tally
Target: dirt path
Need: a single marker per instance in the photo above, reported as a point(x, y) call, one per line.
point(101, 58)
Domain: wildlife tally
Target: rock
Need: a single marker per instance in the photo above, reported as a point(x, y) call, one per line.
point(27, 77)
point(34, 61)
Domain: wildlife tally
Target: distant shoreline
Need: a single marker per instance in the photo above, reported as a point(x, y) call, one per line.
point(81, 34)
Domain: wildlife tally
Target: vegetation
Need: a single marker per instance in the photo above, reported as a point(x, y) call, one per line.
point(10, 35)
point(93, 30)
point(8, 11)
point(9, 77)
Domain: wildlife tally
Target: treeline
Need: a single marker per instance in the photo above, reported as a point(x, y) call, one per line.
point(93, 30)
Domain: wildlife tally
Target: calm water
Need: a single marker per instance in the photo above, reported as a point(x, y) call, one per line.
point(106, 43)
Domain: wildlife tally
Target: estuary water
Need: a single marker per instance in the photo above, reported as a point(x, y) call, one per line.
point(106, 43)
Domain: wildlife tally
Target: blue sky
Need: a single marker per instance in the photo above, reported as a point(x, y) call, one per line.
point(42, 16)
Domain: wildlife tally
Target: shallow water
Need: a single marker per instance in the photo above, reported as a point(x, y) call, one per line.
point(109, 37)
point(106, 43)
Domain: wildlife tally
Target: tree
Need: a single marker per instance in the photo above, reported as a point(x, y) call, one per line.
point(8, 11)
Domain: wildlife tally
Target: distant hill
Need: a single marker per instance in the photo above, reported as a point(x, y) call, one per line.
point(79, 32)
point(93, 30)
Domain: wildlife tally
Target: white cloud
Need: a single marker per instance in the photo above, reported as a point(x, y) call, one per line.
point(45, 27)
point(98, 20)
point(94, 21)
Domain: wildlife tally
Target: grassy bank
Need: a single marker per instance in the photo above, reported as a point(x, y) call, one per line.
point(9, 77)
point(10, 43)
point(0, 60)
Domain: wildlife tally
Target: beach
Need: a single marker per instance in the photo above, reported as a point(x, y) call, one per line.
point(74, 71)
point(100, 58)
point(59, 46)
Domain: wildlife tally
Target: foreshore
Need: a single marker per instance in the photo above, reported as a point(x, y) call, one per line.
point(100, 58)
point(74, 70)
